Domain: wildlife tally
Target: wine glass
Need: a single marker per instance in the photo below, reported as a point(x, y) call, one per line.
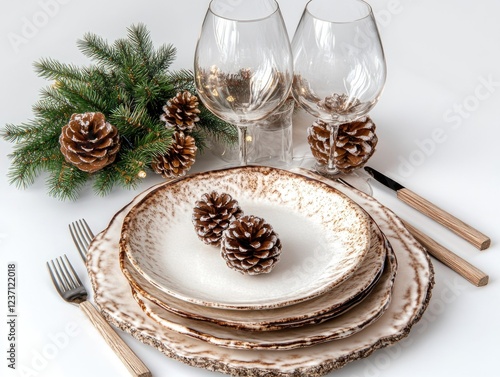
point(339, 66)
point(243, 63)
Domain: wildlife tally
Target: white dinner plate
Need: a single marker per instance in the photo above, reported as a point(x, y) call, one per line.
point(322, 232)
point(326, 306)
point(354, 320)
point(410, 297)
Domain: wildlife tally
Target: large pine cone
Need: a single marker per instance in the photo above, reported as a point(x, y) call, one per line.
point(356, 142)
point(179, 158)
point(250, 246)
point(181, 111)
point(89, 142)
point(212, 215)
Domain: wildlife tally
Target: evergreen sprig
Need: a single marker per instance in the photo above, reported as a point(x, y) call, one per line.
point(129, 83)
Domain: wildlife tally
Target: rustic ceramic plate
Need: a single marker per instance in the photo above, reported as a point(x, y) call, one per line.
point(411, 295)
point(326, 306)
point(362, 315)
point(319, 227)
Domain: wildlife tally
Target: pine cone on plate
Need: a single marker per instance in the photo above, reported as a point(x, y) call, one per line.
point(356, 142)
point(89, 142)
point(212, 215)
point(178, 159)
point(250, 246)
point(181, 111)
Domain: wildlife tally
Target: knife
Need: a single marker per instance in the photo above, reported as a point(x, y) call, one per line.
point(447, 257)
point(422, 205)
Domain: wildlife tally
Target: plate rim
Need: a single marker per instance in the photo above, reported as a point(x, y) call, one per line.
point(385, 286)
point(270, 324)
point(263, 170)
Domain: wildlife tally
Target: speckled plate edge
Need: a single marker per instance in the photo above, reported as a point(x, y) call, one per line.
point(316, 310)
point(265, 173)
point(366, 313)
point(323, 358)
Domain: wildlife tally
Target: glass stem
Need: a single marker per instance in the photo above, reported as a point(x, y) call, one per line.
point(334, 130)
point(242, 141)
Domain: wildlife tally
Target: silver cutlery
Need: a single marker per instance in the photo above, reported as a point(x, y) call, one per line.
point(82, 236)
point(71, 289)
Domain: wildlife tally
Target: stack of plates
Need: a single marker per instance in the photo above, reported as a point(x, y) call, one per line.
point(350, 278)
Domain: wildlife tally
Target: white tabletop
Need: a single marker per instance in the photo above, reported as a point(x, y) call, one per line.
point(438, 130)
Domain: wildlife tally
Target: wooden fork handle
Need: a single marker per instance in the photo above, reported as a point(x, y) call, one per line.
point(135, 366)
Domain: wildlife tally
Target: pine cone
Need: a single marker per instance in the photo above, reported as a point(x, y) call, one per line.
point(181, 111)
point(212, 215)
point(356, 142)
point(339, 104)
point(250, 246)
point(89, 142)
point(179, 158)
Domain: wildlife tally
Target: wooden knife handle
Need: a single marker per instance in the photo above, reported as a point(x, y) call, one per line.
point(457, 226)
point(135, 366)
point(450, 259)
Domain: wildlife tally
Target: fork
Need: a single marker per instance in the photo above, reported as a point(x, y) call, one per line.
point(71, 289)
point(82, 236)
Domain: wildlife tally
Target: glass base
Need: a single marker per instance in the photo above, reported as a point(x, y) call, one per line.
point(359, 178)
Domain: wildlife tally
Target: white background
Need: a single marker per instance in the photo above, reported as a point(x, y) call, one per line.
point(438, 129)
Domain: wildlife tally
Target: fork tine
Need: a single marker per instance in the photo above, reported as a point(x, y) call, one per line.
point(82, 236)
point(64, 274)
point(60, 280)
point(74, 276)
point(55, 280)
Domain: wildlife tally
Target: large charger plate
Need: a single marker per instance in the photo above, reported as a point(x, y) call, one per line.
point(319, 309)
point(361, 316)
point(411, 295)
point(318, 226)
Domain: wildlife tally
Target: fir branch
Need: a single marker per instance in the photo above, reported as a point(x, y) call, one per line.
point(27, 163)
point(50, 112)
point(151, 145)
point(164, 57)
point(82, 96)
point(96, 48)
point(218, 130)
point(184, 79)
point(147, 93)
point(51, 94)
point(53, 70)
point(16, 134)
point(104, 181)
point(143, 46)
point(129, 82)
point(132, 122)
point(65, 181)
